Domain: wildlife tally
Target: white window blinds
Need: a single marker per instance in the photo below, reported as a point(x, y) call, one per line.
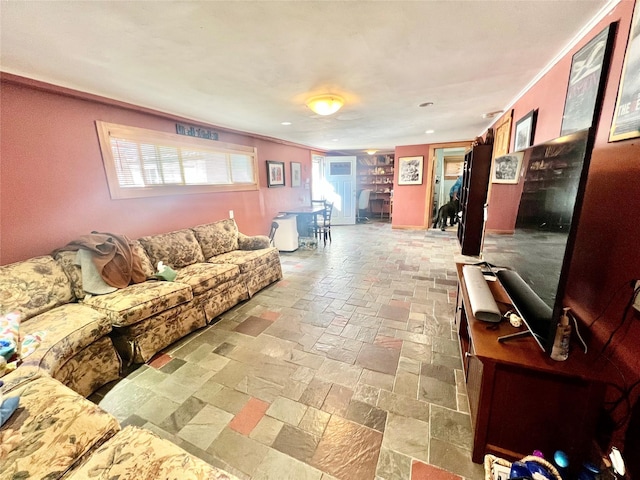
point(141, 163)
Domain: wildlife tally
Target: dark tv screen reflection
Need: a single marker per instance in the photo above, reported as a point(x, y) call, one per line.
point(538, 249)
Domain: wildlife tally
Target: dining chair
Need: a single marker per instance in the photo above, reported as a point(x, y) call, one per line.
point(324, 223)
point(317, 219)
point(363, 205)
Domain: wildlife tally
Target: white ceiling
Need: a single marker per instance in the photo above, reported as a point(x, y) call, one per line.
point(250, 65)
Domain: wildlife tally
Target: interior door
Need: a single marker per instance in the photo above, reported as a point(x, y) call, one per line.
point(340, 188)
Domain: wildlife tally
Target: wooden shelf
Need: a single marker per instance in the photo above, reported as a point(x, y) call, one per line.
point(473, 196)
point(376, 174)
point(520, 400)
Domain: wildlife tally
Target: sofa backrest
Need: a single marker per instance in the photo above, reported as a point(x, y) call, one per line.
point(176, 249)
point(33, 286)
point(145, 261)
point(218, 237)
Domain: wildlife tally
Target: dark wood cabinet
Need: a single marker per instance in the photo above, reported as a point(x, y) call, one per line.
point(520, 400)
point(473, 197)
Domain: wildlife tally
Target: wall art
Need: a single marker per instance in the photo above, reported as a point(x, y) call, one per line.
point(587, 79)
point(506, 169)
point(502, 137)
point(525, 130)
point(275, 174)
point(626, 119)
point(410, 170)
point(296, 174)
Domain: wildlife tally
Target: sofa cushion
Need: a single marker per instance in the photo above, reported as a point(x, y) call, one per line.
point(20, 376)
point(142, 300)
point(217, 237)
point(67, 330)
point(67, 260)
point(147, 267)
point(202, 277)
point(140, 341)
point(176, 249)
point(33, 286)
point(248, 260)
point(50, 431)
point(137, 454)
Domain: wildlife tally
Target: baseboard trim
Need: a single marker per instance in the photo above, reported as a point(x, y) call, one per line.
point(500, 232)
point(408, 227)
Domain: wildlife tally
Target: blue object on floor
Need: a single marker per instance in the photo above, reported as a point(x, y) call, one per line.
point(7, 408)
point(7, 349)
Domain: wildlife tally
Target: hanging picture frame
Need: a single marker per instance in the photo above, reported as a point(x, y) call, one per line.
point(296, 174)
point(626, 119)
point(410, 170)
point(506, 168)
point(453, 166)
point(275, 174)
point(587, 79)
point(525, 130)
point(502, 137)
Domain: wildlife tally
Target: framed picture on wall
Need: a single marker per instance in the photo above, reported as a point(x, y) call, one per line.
point(525, 129)
point(275, 174)
point(587, 79)
point(410, 170)
point(453, 167)
point(296, 174)
point(506, 169)
point(626, 119)
point(502, 138)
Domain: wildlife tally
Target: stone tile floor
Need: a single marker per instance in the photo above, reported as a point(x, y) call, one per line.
point(348, 368)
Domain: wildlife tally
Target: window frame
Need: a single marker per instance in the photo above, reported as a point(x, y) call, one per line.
point(107, 130)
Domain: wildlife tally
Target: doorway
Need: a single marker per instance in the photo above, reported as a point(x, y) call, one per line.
point(334, 179)
point(447, 163)
point(340, 177)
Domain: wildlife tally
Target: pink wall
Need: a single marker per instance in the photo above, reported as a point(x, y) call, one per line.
point(605, 259)
point(547, 95)
point(409, 201)
point(53, 186)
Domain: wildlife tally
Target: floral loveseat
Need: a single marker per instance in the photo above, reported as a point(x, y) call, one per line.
point(57, 434)
point(85, 336)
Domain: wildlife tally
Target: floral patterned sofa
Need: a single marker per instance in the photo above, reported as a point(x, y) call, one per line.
point(75, 348)
point(57, 434)
point(216, 266)
point(88, 335)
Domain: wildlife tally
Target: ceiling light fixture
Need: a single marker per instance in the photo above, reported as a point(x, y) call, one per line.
point(371, 152)
point(492, 114)
point(325, 104)
point(426, 104)
point(286, 123)
point(430, 131)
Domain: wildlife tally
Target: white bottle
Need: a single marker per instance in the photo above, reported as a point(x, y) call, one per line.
point(560, 349)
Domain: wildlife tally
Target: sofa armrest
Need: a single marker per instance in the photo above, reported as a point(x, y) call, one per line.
point(256, 242)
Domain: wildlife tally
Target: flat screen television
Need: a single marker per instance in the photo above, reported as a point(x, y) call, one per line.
point(532, 263)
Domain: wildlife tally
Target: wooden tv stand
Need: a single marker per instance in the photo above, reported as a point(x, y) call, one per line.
point(520, 399)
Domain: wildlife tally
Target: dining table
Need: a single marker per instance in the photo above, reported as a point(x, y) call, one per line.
point(303, 212)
